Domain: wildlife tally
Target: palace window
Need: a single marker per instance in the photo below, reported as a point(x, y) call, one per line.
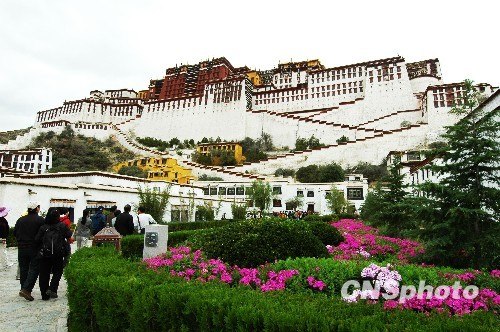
point(310, 193)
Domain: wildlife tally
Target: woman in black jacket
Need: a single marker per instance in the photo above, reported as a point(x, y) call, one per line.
point(51, 241)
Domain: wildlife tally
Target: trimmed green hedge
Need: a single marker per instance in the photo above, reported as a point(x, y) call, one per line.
point(326, 233)
point(326, 218)
point(184, 226)
point(109, 293)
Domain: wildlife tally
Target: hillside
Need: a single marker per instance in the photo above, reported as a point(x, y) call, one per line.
point(6, 136)
point(76, 153)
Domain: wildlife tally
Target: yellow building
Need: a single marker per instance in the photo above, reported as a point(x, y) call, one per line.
point(254, 77)
point(160, 169)
point(205, 149)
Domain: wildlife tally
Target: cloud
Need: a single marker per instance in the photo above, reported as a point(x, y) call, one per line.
point(60, 50)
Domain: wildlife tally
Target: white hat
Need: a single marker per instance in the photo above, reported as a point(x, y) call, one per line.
point(33, 205)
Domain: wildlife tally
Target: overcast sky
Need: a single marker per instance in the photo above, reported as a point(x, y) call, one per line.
point(51, 51)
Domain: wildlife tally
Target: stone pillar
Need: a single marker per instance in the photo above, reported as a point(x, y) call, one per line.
point(155, 240)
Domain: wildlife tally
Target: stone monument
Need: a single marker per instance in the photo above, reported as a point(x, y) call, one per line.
point(155, 240)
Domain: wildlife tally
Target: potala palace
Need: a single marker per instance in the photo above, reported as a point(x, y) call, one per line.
point(380, 106)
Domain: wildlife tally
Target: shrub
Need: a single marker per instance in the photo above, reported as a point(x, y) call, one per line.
point(109, 293)
point(326, 233)
point(184, 226)
point(316, 217)
point(205, 213)
point(239, 211)
point(133, 171)
point(132, 246)
point(252, 243)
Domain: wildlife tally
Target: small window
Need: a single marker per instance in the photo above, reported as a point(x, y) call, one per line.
point(222, 191)
point(240, 191)
point(310, 193)
point(277, 191)
point(276, 202)
point(355, 193)
point(206, 191)
point(230, 191)
point(300, 193)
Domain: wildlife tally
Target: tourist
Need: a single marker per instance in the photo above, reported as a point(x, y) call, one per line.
point(82, 231)
point(116, 213)
point(4, 224)
point(25, 230)
point(64, 218)
point(111, 216)
point(98, 220)
point(124, 223)
point(51, 239)
point(144, 219)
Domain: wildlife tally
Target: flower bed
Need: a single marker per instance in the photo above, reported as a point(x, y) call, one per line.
point(109, 293)
point(364, 242)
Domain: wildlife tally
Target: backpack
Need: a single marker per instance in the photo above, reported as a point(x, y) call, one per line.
point(98, 222)
point(53, 243)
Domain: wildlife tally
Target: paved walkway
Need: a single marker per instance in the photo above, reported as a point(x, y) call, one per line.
point(20, 315)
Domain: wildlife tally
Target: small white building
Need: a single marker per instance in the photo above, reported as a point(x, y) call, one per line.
point(313, 195)
point(35, 161)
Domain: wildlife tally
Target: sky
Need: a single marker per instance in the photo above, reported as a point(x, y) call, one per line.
point(52, 51)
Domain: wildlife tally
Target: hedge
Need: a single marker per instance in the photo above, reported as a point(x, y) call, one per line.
point(326, 218)
point(184, 226)
point(109, 293)
point(255, 242)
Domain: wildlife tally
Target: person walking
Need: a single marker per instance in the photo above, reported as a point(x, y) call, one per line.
point(64, 218)
point(98, 220)
point(82, 231)
point(25, 231)
point(124, 223)
point(51, 239)
point(111, 216)
point(144, 219)
point(4, 234)
point(116, 213)
point(4, 224)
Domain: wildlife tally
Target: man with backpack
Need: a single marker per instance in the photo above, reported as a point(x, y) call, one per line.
point(98, 221)
point(52, 239)
point(25, 231)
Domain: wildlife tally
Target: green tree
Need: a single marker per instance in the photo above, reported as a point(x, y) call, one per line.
point(336, 201)
point(307, 174)
point(371, 172)
point(239, 211)
point(301, 144)
point(294, 203)
point(343, 139)
point(133, 171)
point(205, 212)
point(390, 206)
point(330, 173)
point(261, 193)
point(205, 177)
point(285, 172)
point(316, 174)
point(154, 201)
point(461, 211)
